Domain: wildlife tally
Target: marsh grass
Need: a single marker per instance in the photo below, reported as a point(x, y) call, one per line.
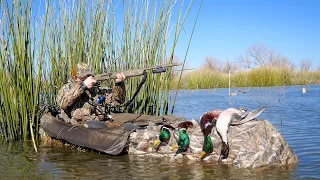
point(260, 77)
point(20, 80)
point(303, 77)
point(38, 52)
point(201, 79)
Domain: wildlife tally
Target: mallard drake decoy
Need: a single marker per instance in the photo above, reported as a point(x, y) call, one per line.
point(164, 135)
point(184, 140)
point(232, 116)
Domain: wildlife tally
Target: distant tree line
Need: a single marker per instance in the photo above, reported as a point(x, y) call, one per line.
point(257, 56)
point(259, 66)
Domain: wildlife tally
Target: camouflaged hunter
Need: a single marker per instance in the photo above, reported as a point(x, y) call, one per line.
point(74, 97)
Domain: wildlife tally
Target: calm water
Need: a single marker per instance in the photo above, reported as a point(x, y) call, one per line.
point(296, 115)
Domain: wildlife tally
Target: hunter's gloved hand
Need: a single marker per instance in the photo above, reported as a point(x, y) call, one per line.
point(120, 77)
point(89, 82)
point(101, 117)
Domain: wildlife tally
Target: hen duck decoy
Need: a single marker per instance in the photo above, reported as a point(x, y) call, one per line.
point(184, 140)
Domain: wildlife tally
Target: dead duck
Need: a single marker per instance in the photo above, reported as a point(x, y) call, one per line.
point(207, 122)
point(232, 116)
point(184, 140)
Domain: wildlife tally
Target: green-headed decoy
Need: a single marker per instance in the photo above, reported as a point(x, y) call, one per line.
point(164, 135)
point(184, 140)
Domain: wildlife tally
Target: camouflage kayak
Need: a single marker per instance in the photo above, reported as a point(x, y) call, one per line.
point(108, 139)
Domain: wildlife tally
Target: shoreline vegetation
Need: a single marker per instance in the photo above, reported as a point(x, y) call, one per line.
point(258, 66)
point(204, 78)
point(42, 40)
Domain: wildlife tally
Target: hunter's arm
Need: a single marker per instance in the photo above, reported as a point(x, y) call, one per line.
point(68, 95)
point(118, 95)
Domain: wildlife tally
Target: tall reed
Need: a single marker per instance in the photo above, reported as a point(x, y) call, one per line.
point(20, 70)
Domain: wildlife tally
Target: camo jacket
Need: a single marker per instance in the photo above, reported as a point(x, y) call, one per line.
point(74, 101)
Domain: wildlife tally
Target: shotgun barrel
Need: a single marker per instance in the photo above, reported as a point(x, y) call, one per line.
point(135, 72)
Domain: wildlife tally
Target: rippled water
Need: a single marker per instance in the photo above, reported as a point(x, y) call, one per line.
point(296, 115)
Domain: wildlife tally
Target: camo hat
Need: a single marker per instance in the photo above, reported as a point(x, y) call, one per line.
point(81, 70)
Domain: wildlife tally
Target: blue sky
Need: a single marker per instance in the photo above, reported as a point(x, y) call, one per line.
point(225, 27)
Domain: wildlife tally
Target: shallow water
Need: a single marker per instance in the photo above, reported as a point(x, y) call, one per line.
point(293, 113)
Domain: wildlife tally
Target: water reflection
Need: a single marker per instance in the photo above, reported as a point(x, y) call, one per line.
point(20, 162)
point(17, 161)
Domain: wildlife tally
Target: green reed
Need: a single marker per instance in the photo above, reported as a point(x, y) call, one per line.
point(38, 53)
point(20, 71)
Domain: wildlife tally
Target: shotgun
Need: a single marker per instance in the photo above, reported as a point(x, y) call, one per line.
point(135, 72)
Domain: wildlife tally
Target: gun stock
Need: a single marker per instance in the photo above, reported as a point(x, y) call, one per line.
point(135, 72)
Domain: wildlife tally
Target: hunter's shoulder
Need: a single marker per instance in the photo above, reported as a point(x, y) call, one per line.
point(68, 86)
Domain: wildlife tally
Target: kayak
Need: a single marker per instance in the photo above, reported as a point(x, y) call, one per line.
point(111, 140)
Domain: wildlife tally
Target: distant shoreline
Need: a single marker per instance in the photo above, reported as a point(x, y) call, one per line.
point(261, 77)
point(241, 88)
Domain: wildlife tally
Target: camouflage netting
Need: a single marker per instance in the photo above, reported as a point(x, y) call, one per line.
point(254, 144)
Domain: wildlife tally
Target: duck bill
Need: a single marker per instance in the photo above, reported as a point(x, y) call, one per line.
point(174, 147)
point(156, 143)
point(203, 154)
